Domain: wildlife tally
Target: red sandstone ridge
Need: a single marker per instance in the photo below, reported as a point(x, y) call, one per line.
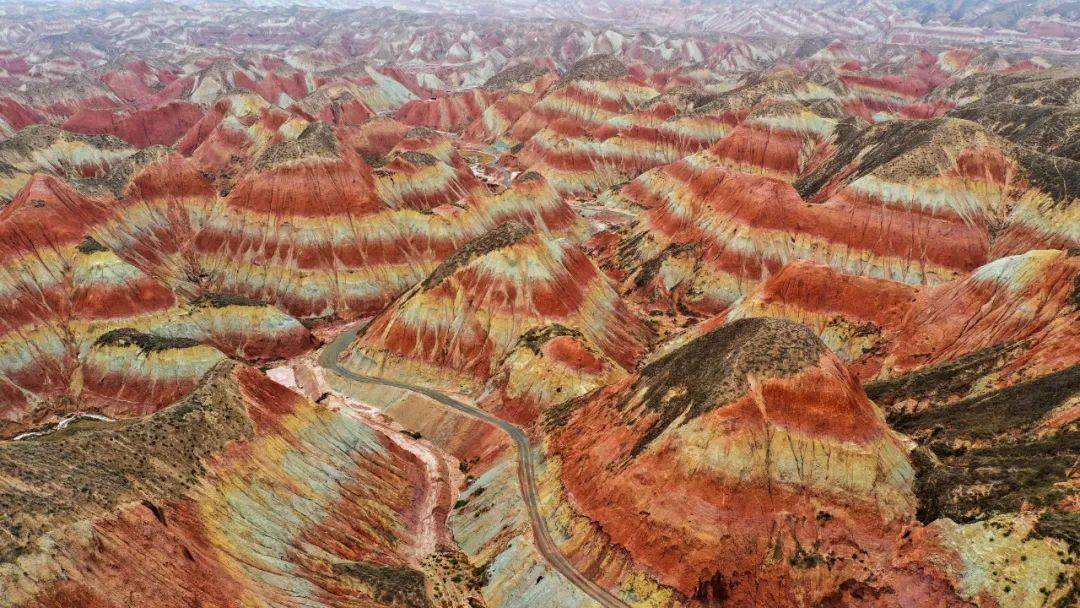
point(746, 467)
point(276, 230)
point(549, 365)
point(234, 131)
point(63, 290)
point(958, 180)
point(1016, 310)
point(449, 113)
point(856, 317)
point(466, 315)
point(59, 287)
point(162, 125)
point(909, 201)
point(781, 299)
point(337, 103)
point(1011, 320)
point(1008, 320)
point(520, 87)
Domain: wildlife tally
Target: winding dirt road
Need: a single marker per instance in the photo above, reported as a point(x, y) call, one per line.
point(526, 470)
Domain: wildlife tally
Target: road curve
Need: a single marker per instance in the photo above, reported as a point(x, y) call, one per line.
point(526, 470)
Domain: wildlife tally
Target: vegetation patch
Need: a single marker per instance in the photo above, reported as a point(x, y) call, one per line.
point(955, 377)
point(147, 343)
point(1061, 525)
point(393, 585)
point(90, 245)
point(595, 67)
point(221, 300)
point(505, 235)
point(515, 76)
point(972, 484)
point(712, 370)
point(316, 141)
point(88, 473)
point(987, 417)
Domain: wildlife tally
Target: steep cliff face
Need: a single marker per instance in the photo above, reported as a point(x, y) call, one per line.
point(242, 492)
point(752, 442)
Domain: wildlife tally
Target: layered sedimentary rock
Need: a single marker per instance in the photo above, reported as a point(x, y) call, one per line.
point(925, 198)
point(374, 138)
point(752, 442)
point(563, 133)
point(954, 172)
point(1026, 301)
point(705, 237)
point(783, 139)
point(63, 289)
point(312, 229)
point(854, 316)
point(160, 125)
point(547, 366)
point(234, 131)
point(58, 287)
point(412, 178)
point(66, 96)
point(514, 200)
point(1048, 128)
point(129, 373)
point(531, 200)
point(245, 329)
point(335, 103)
point(156, 219)
point(447, 113)
point(242, 492)
point(287, 209)
point(471, 310)
point(46, 149)
point(520, 86)
point(309, 231)
point(1054, 87)
point(585, 153)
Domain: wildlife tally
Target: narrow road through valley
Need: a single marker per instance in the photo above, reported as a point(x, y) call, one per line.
point(526, 471)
